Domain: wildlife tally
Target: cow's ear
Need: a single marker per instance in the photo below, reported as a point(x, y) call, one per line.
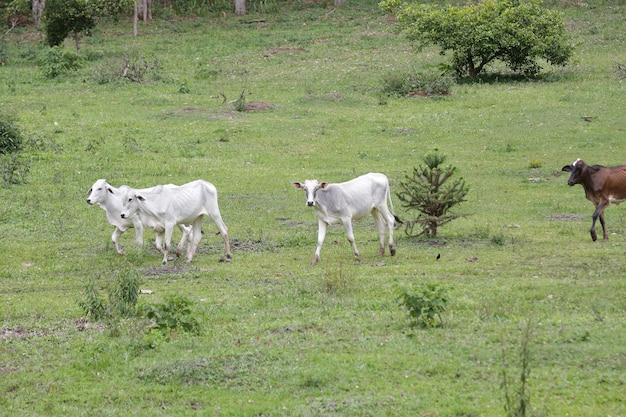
point(140, 198)
point(323, 184)
point(90, 191)
point(109, 189)
point(296, 185)
point(567, 168)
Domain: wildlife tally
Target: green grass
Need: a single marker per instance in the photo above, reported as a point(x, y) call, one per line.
point(281, 338)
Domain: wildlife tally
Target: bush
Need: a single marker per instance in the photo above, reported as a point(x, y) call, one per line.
point(123, 297)
point(10, 135)
point(174, 313)
point(56, 61)
point(425, 304)
point(133, 67)
point(403, 84)
point(92, 304)
point(14, 169)
point(512, 31)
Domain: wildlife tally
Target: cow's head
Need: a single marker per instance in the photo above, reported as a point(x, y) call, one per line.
point(99, 192)
point(131, 199)
point(310, 188)
point(576, 171)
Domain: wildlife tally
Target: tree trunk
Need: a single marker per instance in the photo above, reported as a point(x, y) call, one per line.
point(38, 6)
point(240, 7)
point(135, 19)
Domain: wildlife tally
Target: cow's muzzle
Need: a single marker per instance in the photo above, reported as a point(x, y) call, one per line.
point(89, 201)
point(310, 203)
point(123, 215)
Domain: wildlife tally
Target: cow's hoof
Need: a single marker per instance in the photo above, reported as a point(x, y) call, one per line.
point(594, 237)
point(392, 251)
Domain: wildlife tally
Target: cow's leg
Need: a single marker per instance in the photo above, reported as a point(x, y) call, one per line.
point(159, 241)
point(196, 235)
point(604, 231)
point(186, 230)
point(221, 226)
point(389, 222)
point(321, 235)
point(138, 232)
point(167, 241)
point(116, 234)
point(347, 224)
point(381, 226)
point(599, 212)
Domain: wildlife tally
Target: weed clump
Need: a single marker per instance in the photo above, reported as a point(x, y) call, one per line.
point(173, 314)
point(56, 61)
point(122, 298)
point(425, 303)
point(415, 84)
point(13, 166)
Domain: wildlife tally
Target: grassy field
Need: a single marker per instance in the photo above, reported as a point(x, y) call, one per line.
point(281, 338)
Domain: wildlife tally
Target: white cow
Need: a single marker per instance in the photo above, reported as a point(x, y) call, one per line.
point(109, 199)
point(354, 199)
point(164, 207)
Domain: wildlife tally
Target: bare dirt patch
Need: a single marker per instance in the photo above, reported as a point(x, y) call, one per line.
point(258, 106)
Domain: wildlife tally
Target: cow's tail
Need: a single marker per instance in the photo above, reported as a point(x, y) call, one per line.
point(396, 218)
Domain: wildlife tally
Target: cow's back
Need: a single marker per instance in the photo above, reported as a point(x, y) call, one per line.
point(189, 201)
point(356, 197)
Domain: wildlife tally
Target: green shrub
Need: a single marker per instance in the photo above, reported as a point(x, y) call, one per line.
point(174, 313)
point(425, 303)
point(14, 169)
point(56, 61)
point(123, 297)
point(92, 304)
point(10, 135)
point(403, 84)
point(515, 32)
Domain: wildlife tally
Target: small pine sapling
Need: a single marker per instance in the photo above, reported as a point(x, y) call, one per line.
point(429, 192)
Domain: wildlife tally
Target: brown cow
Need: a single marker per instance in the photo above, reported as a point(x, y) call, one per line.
point(603, 186)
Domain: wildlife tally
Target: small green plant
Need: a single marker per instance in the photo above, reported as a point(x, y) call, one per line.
point(425, 303)
point(56, 61)
point(14, 169)
point(517, 398)
point(94, 307)
point(122, 297)
point(427, 192)
point(535, 163)
point(240, 103)
point(10, 135)
point(174, 313)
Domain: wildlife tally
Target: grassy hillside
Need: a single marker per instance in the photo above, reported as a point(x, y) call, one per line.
point(280, 338)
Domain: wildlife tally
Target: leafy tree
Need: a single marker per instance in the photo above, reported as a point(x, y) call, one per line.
point(516, 32)
point(76, 17)
point(427, 191)
point(65, 17)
